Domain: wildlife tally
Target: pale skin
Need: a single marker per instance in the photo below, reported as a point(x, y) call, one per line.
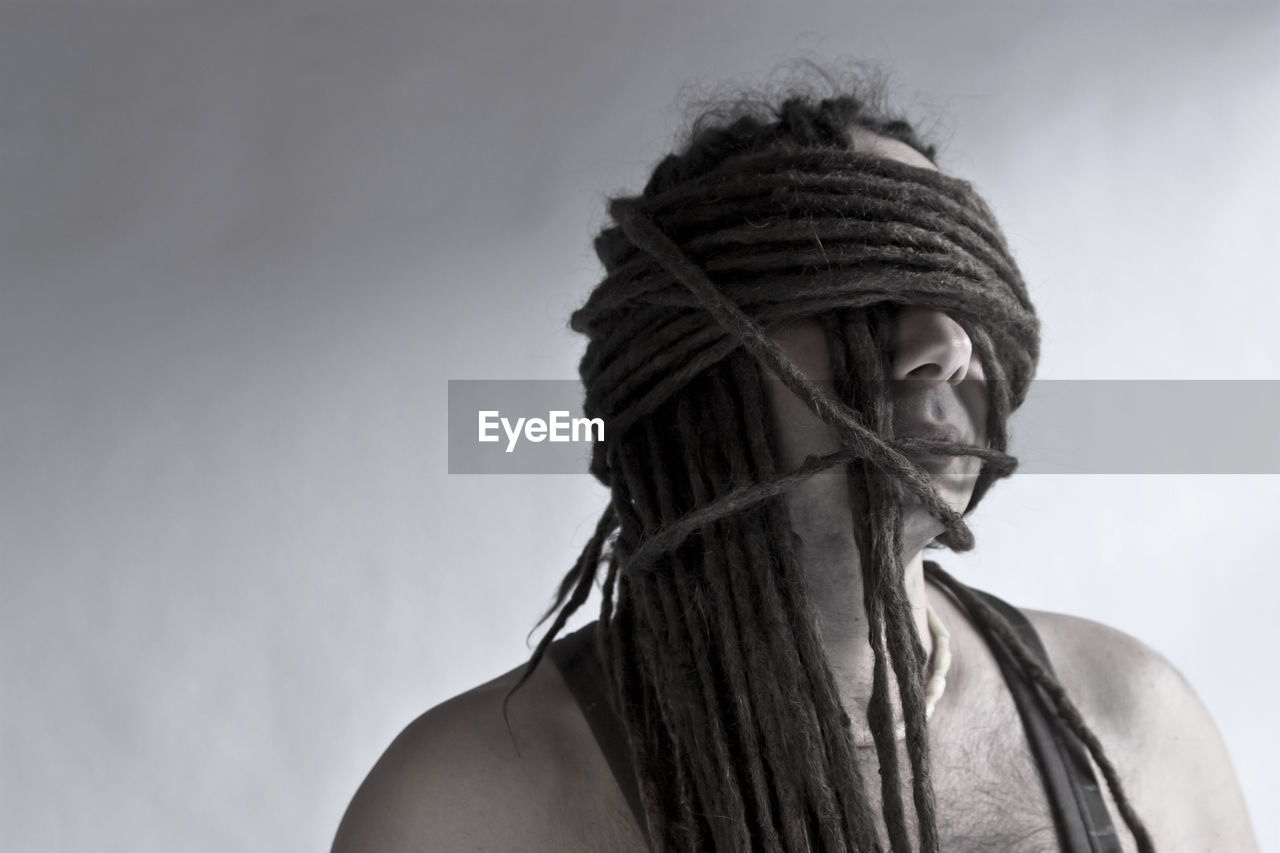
point(455, 780)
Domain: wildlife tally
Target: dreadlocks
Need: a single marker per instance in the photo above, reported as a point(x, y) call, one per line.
point(714, 662)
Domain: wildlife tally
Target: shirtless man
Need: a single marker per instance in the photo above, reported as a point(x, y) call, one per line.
point(458, 779)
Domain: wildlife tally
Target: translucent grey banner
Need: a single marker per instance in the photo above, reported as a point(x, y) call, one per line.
point(1066, 426)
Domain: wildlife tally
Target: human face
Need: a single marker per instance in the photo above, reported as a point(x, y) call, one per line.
point(938, 389)
point(939, 392)
point(940, 386)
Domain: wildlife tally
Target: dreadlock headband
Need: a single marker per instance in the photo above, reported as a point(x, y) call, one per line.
point(700, 270)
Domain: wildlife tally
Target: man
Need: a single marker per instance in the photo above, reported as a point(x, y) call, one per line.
point(805, 350)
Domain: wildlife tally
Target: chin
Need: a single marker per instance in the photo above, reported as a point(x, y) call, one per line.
point(955, 484)
point(919, 528)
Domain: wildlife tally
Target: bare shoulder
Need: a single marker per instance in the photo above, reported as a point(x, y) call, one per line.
point(1158, 733)
point(458, 778)
point(1113, 674)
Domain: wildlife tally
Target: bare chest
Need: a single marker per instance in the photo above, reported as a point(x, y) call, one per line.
point(988, 790)
point(989, 793)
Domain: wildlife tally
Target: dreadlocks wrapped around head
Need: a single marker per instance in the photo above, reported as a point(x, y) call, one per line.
point(715, 665)
point(696, 270)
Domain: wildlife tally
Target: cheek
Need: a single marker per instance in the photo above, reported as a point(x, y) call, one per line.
point(973, 396)
point(976, 370)
point(805, 343)
point(799, 432)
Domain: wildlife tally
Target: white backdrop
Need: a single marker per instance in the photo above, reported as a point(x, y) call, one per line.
point(242, 252)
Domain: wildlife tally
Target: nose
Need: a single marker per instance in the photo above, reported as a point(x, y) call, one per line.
point(929, 345)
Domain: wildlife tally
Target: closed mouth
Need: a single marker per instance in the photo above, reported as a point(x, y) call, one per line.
point(939, 432)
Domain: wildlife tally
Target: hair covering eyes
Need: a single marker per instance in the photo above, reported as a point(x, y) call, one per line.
point(695, 272)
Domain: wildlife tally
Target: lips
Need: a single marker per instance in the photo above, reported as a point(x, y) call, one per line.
point(932, 432)
point(936, 463)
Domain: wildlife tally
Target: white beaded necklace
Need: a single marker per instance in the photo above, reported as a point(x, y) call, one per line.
point(939, 665)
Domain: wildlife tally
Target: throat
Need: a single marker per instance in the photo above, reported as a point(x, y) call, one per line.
point(845, 629)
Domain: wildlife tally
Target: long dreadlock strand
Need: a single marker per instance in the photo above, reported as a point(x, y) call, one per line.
point(691, 611)
point(579, 580)
point(734, 645)
point(866, 339)
point(851, 340)
point(838, 740)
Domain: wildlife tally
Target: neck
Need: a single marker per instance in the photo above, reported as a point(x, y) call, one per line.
point(834, 581)
point(845, 632)
point(822, 523)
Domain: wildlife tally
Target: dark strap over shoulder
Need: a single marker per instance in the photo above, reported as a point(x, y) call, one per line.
point(576, 657)
point(1079, 812)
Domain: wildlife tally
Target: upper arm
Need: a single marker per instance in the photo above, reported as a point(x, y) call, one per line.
point(452, 780)
point(1171, 759)
point(404, 803)
point(1182, 772)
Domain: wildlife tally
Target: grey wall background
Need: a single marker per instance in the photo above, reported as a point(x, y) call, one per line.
point(243, 248)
